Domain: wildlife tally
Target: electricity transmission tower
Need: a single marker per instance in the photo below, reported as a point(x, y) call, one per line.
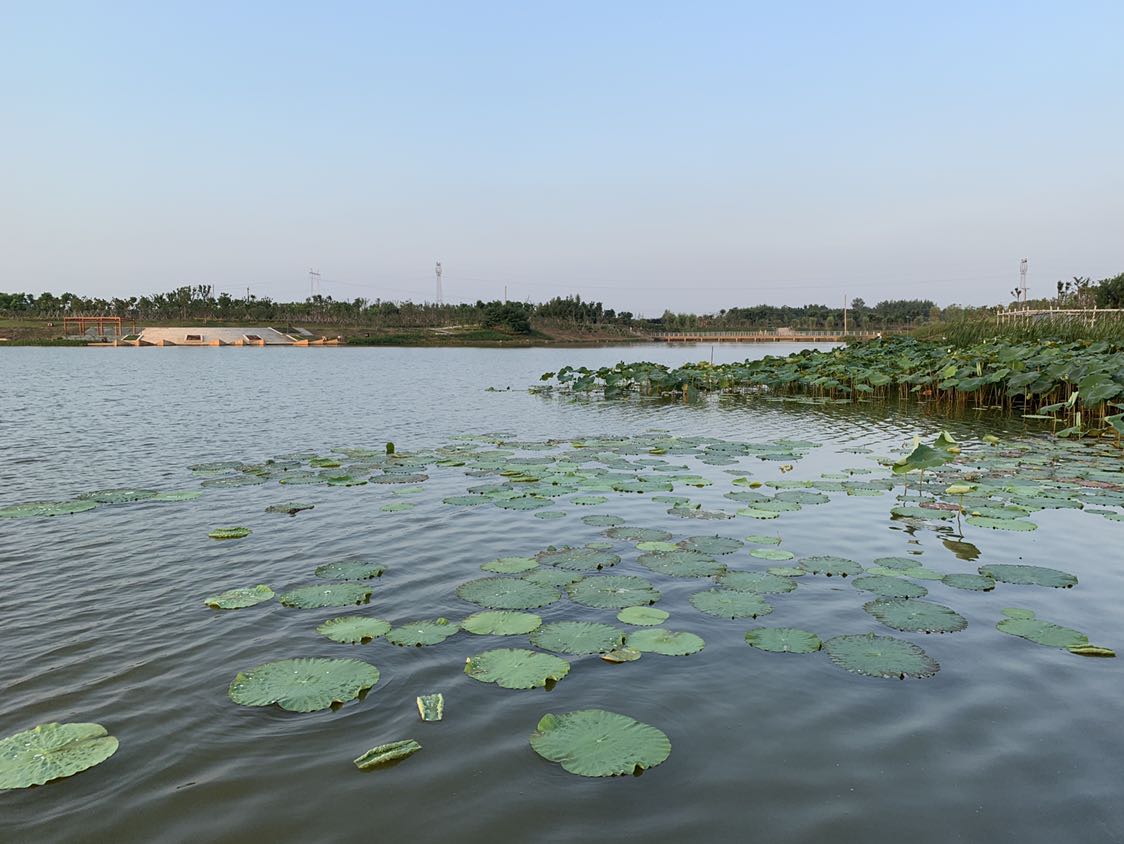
point(313, 283)
point(438, 271)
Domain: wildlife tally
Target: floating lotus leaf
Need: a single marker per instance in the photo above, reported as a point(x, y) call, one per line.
point(913, 512)
point(317, 595)
point(550, 515)
point(762, 583)
point(800, 496)
point(353, 629)
point(771, 554)
point(830, 566)
point(880, 656)
point(290, 508)
point(524, 502)
point(177, 495)
point(613, 592)
point(508, 593)
point(642, 616)
point(1015, 612)
point(236, 599)
point(635, 534)
point(783, 640)
point(757, 513)
point(577, 637)
point(597, 743)
point(230, 533)
point(397, 507)
point(118, 496)
point(711, 544)
point(431, 707)
point(1001, 524)
point(385, 754)
point(667, 642)
point(588, 500)
point(350, 570)
point(303, 685)
point(467, 500)
point(726, 603)
point(578, 559)
point(969, 582)
point(501, 623)
point(1043, 632)
point(762, 539)
point(622, 654)
point(231, 483)
point(431, 631)
point(681, 563)
point(396, 478)
point(216, 466)
point(516, 668)
point(602, 520)
point(916, 616)
point(897, 563)
point(656, 546)
point(1029, 575)
point(889, 587)
point(52, 751)
point(786, 571)
point(34, 509)
point(552, 576)
point(510, 565)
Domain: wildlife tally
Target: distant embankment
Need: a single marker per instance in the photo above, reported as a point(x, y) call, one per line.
point(763, 336)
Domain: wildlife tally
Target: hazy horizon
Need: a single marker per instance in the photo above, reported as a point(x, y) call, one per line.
point(648, 156)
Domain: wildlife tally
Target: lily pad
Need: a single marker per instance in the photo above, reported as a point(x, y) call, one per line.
point(118, 496)
point(1043, 633)
point(508, 593)
point(501, 623)
point(783, 640)
point(52, 751)
point(635, 534)
point(880, 656)
point(510, 565)
point(516, 668)
point(889, 587)
point(467, 500)
point(236, 599)
point(969, 582)
point(762, 539)
point(667, 642)
point(830, 566)
point(649, 547)
point(1029, 575)
point(353, 629)
point(303, 685)
point(550, 515)
point(386, 754)
point(777, 554)
point(599, 520)
point(577, 637)
point(588, 500)
point(431, 631)
point(317, 595)
point(597, 743)
point(578, 559)
point(1001, 524)
point(711, 544)
point(642, 616)
point(916, 616)
point(350, 570)
point(230, 533)
point(177, 495)
point(726, 603)
point(680, 563)
point(613, 592)
point(622, 654)
point(397, 507)
point(552, 577)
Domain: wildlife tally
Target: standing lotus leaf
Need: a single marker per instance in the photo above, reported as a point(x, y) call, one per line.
point(789, 640)
point(711, 544)
point(635, 534)
point(516, 668)
point(501, 623)
point(385, 754)
point(889, 587)
point(880, 656)
point(969, 582)
point(508, 593)
point(236, 599)
point(303, 685)
point(762, 583)
point(33, 509)
point(597, 743)
point(667, 642)
point(317, 595)
point(830, 566)
point(916, 616)
point(577, 637)
point(353, 629)
point(726, 603)
point(578, 559)
point(682, 563)
point(350, 570)
point(52, 751)
point(642, 616)
point(431, 631)
point(613, 592)
point(1029, 575)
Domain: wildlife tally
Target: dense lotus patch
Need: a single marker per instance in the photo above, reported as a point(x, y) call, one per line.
point(501, 623)
point(726, 603)
point(350, 570)
point(577, 637)
point(508, 593)
point(52, 751)
point(783, 640)
point(1023, 575)
point(240, 598)
point(353, 629)
point(613, 592)
point(318, 595)
point(303, 685)
point(880, 656)
point(598, 743)
point(667, 642)
point(516, 668)
point(418, 633)
point(37, 509)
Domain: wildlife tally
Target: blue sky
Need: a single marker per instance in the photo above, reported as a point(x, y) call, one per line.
point(685, 155)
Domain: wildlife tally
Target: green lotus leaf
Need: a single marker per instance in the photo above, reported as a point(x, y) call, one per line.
point(599, 520)
point(758, 513)
point(523, 502)
point(350, 570)
point(508, 593)
point(577, 559)
point(386, 754)
point(969, 582)
point(118, 496)
point(786, 571)
point(1043, 632)
point(880, 656)
point(52, 751)
point(1029, 575)
point(914, 512)
point(762, 539)
point(642, 616)
point(588, 500)
point(230, 533)
point(234, 482)
point(801, 496)
point(622, 654)
point(414, 634)
point(177, 495)
point(889, 587)
point(711, 544)
point(922, 457)
point(431, 707)
point(501, 623)
point(1015, 612)
point(756, 581)
point(1001, 524)
point(552, 577)
point(317, 595)
point(353, 629)
point(577, 637)
point(397, 507)
point(516, 668)
point(726, 603)
point(398, 478)
point(303, 685)
point(680, 563)
point(916, 616)
point(897, 563)
point(783, 640)
point(510, 565)
point(467, 500)
point(656, 546)
point(777, 554)
point(236, 599)
point(290, 508)
point(550, 515)
point(667, 642)
point(613, 592)
point(635, 534)
point(597, 743)
point(830, 566)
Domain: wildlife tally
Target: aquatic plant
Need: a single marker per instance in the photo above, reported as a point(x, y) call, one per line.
point(598, 743)
point(52, 751)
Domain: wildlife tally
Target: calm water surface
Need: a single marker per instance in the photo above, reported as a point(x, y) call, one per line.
point(103, 621)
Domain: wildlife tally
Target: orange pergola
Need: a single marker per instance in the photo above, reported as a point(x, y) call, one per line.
point(81, 323)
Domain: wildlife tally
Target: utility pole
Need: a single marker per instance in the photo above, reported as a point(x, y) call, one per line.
point(313, 283)
point(844, 313)
point(505, 293)
point(439, 297)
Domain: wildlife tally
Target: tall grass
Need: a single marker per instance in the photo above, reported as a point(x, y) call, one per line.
point(1062, 328)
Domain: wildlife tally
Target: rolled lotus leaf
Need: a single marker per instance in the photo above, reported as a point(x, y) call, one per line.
point(290, 508)
point(303, 685)
point(642, 616)
point(230, 533)
point(1023, 575)
point(727, 603)
point(783, 640)
point(236, 599)
point(385, 754)
point(501, 623)
point(613, 592)
point(317, 595)
point(622, 654)
point(597, 743)
point(1091, 650)
point(508, 593)
point(350, 570)
point(880, 656)
point(667, 642)
point(431, 707)
point(577, 637)
point(52, 751)
point(516, 668)
point(35, 509)
point(353, 629)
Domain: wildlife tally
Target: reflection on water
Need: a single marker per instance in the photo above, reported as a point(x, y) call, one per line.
point(103, 621)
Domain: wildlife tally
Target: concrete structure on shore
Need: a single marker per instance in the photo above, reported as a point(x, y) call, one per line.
point(215, 336)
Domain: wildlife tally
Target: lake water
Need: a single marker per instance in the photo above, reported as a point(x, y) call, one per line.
point(103, 621)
